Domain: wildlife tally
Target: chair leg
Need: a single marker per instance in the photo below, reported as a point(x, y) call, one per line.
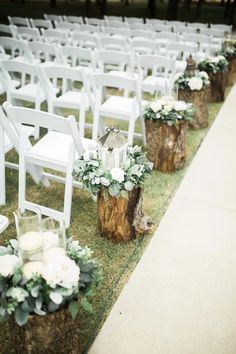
point(68, 189)
point(22, 176)
point(95, 124)
point(143, 130)
point(131, 130)
point(2, 169)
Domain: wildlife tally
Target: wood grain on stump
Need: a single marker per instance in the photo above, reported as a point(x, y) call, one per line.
point(51, 334)
point(121, 219)
point(232, 71)
point(217, 86)
point(166, 146)
point(199, 102)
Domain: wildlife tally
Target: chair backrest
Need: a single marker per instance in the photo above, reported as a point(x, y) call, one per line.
point(28, 33)
point(16, 47)
point(94, 21)
point(76, 56)
point(25, 71)
point(86, 40)
point(66, 26)
point(90, 28)
point(138, 25)
point(113, 43)
point(74, 19)
point(197, 38)
point(19, 21)
point(22, 115)
point(39, 23)
point(107, 80)
point(8, 29)
point(159, 65)
point(142, 34)
point(215, 32)
point(143, 45)
point(161, 28)
point(108, 18)
point(225, 28)
point(167, 36)
point(133, 19)
point(115, 30)
point(185, 29)
point(117, 24)
point(54, 36)
point(50, 17)
point(112, 60)
point(45, 52)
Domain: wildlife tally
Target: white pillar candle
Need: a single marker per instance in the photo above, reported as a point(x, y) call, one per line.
point(50, 239)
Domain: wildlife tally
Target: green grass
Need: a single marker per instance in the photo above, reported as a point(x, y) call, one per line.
point(117, 260)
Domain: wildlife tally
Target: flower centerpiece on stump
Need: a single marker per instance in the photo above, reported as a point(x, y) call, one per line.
point(41, 296)
point(119, 187)
point(216, 67)
point(229, 52)
point(165, 122)
point(192, 87)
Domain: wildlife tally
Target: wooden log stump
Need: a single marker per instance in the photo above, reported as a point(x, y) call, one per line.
point(217, 86)
point(232, 71)
point(166, 146)
point(121, 219)
point(199, 102)
point(54, 333)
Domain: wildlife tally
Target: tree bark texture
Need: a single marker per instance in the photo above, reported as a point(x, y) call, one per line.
point(122, 219)
point(166, 146)
point(199, 102)
point(51, 334)
point(217, 87)
point(232, 71)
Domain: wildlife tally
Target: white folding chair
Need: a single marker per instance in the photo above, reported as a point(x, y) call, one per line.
point(115, 62)
point(66, 26)
point(143, 46)
point(93, 21)
point(128, 109)
point(9, 139)
point(18, 21)
point(204, 42)
point(113, 43)
point(53, 18)
point(162, 73)
point(69, 95)
point(56, 150)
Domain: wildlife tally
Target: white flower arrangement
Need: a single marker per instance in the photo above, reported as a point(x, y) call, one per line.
point(214, 64)
point(42, 287)
point(197, 82)
point(168, 111)
point(117, 181)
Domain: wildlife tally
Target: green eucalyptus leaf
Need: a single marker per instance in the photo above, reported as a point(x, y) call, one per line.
point(73, 309)
point(21, 316)
point(86, 305)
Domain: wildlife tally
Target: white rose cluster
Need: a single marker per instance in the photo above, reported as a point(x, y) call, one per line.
point(195, 83)
point(117, 174)
point(8, 264)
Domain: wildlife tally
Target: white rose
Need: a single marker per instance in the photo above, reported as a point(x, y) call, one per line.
point(168, 107)
point(195, 83)
point(32, 268)
point(105, 181)
point(156, 106)
point(215, 60)
point(8, 264)
point(62, 271)
point(204, 75)
point(180, 106)
point(117, 174)
point(221, 57)
point(17, 294)
point(90, 155)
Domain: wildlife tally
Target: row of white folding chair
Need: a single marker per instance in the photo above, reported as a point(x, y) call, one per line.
point(56, 150)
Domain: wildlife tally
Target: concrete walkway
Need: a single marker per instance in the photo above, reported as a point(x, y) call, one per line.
point(181, 298)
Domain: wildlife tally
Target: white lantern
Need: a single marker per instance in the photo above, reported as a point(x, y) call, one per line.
point(112, 149)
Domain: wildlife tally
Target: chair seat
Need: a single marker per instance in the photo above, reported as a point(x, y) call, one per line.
point(53, 149)
point(29, 92)
point(121, 107)
point(70, 99)
point(3, 223)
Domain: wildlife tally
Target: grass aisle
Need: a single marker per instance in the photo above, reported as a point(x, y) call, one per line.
point(117, 260)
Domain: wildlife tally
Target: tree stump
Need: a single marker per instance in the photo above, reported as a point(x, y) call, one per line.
point(232, 71)
point(217, 87)
point(199, 102)
point(121, 219)
point(53, 333)
point(166, 146)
